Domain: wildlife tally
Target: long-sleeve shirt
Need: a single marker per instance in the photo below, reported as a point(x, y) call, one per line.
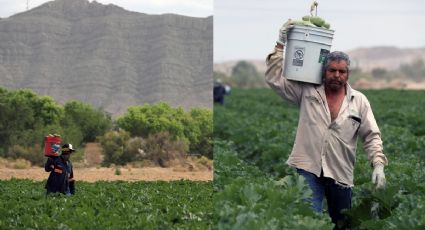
point(320, 143)
point(61, 178)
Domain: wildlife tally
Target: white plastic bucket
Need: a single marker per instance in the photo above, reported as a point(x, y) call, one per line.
point(306, 50)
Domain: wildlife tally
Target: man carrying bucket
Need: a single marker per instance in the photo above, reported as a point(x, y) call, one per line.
point(332, 117)
point(61, 178)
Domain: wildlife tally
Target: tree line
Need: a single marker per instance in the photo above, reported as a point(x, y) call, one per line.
point(25, 118)
point(244, 75)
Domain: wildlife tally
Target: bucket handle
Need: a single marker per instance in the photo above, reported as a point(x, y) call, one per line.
point(313, 8)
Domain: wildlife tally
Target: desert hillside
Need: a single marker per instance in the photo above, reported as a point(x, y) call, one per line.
point(107, 56)
point(372, 62)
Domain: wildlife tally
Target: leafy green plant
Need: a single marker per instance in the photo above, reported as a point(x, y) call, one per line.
point(254, 134)
point(107, 205)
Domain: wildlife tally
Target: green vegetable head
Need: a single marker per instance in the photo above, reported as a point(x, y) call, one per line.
point(298, 23)
point(306, 18)
point(318, 21)
point(308, 23)
point(326, 25)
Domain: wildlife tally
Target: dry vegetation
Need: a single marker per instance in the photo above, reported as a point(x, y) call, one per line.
point(196, 168)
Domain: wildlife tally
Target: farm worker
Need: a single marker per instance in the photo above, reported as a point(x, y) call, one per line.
point(219, 91)
point(61, 178)
point(332, 117)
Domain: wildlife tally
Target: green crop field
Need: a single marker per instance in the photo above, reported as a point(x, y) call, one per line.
point(253, 188)
point(107, 205)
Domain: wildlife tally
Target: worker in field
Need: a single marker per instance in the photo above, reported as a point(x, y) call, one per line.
point(332, 117)
point(61, 178)
point(220, 90)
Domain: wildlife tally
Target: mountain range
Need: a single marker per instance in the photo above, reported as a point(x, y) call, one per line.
point(107, 56)
point(367, 59)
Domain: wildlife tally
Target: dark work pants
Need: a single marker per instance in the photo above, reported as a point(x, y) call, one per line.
point(338, 197)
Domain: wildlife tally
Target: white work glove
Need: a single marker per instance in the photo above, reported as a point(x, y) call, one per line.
point(378, 176)
point(283, 32)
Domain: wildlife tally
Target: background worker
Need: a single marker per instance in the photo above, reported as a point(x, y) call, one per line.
point(220, 90)
point(61, 178)
point(332, 116)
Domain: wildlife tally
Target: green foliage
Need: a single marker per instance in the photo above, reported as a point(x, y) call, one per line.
point(199, 131)
point(22, 113)
point(357, 74)
point(107, 205)
point(247, 198)
point(149, 119)
point(246, 75)
point(415, 70)
point(26, 118)
point(194, 127)
point(91, 122)
point(254, 134)
point(160, 149)
point(113, 144)
point(379, 73)
point(224, 78)
point(18, 151)
point(117, 171)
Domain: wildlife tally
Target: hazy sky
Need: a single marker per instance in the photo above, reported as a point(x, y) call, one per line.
point(195, 8)
point(248, 29)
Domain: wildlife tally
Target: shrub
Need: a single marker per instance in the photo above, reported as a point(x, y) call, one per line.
point(194, 127)
point(21, 164)
point(201, 133)
point(33, 154)
point(14, 163)
point(113, 144)
point(117, 171)
point(133, 149)
point(161, 149)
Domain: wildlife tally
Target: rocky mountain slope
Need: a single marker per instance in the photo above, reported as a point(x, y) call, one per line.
point(107, 56)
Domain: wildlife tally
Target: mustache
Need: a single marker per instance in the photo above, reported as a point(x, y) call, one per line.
point(339, 82)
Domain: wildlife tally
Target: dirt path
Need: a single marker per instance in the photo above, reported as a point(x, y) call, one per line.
point(127, 174)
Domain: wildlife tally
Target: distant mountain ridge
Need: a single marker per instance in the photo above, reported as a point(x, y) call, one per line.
point(386, 57)
point(107, 56)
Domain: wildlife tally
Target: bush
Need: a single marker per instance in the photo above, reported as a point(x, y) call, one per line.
point(26, 118)
point(201, 132)
point(132, 150)
point(22, 164)
point(113, 144)
point(149, 119)
point(194, 127)
point(33, 154)
point(22, 114)
point(117, 171)
point(14, 163)
point(161, 149)
point(246, 75)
